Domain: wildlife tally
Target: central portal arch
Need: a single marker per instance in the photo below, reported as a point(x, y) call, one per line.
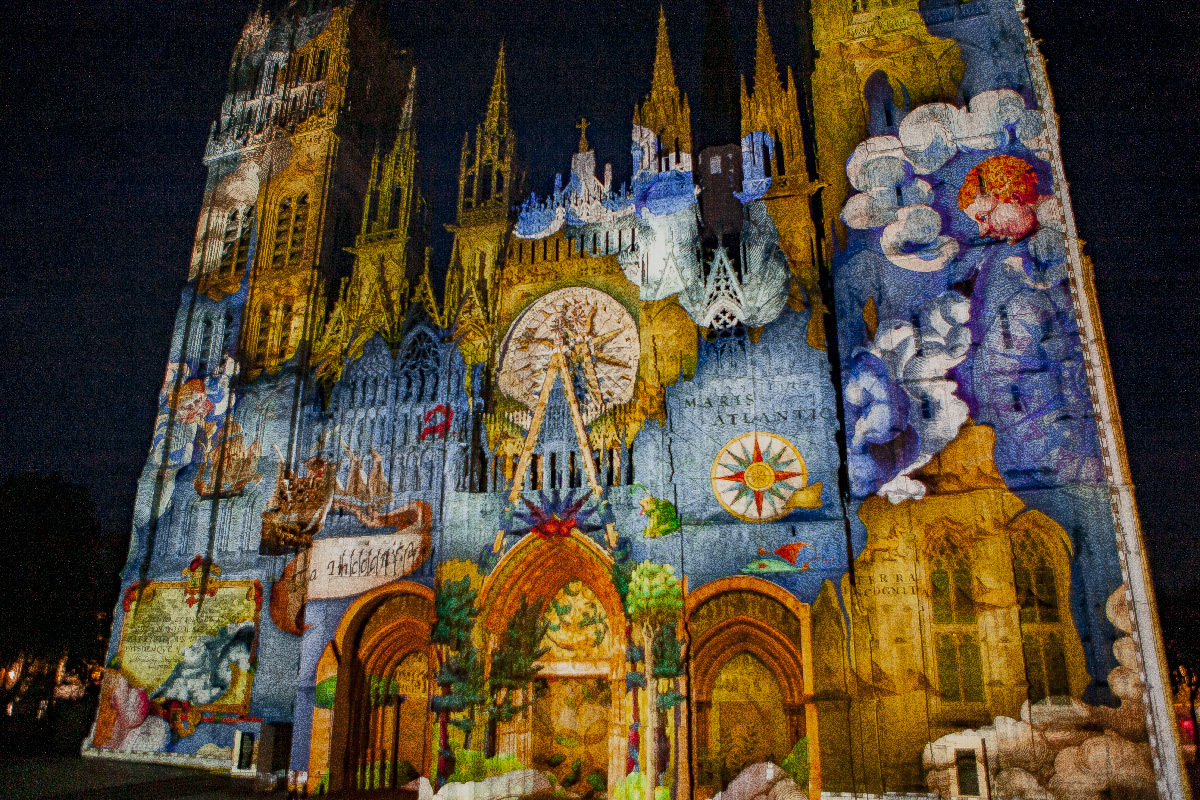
point(751, 658)
point(553, 574)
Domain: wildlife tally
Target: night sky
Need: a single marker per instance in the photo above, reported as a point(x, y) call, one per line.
point(106, 107)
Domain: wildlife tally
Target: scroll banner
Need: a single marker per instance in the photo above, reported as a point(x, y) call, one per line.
point(349, 565)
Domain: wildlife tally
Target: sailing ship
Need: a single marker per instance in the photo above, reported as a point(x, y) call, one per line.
point(367, 491)
point(299, 504)
point(229, 466)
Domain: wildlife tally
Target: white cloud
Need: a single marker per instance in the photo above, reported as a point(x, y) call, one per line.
point(913, 241)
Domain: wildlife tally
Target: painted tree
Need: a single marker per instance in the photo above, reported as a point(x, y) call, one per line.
point(654, 599)
point(512, 680)
point(669, 666)
point(468, 688)
point(454, 602)
point(622, 573)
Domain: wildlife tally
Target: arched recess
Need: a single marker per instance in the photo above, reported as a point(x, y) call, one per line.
point(534, 570)
point(747, 616)
point(382, 630)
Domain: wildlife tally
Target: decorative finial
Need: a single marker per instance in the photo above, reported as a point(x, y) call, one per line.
point(583, 126)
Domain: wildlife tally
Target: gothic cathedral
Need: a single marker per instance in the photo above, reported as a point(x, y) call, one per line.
point(790, 468)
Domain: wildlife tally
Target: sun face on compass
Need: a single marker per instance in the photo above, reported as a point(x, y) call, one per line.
point(595, 335)
point(755, 476)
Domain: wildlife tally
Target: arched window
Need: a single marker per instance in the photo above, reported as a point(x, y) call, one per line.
point(264, 335)
point(291, 226)
point(1037, 587)
point(955, 631)
point(420, 368)
point(299, 231)
point(485, 183)
point(397, 207)
point(229, 247)
point(882, 113)
point(1006, 337)
point(206, 335)
point(227, 332)
point(285, 330)
point(283, 230)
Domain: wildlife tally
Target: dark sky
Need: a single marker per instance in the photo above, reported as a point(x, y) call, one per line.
point(106, 107)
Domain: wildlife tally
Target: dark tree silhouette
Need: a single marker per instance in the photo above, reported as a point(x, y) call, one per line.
point(59, 580)
point(512, 681)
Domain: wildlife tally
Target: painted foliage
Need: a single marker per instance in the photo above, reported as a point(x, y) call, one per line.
point(773, 472)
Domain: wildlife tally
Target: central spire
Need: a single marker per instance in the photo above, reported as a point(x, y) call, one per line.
point(664, 113)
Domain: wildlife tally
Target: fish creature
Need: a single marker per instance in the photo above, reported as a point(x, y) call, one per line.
point(788, 552)
point(782, 560)
point(770, 564)
point(663, 518)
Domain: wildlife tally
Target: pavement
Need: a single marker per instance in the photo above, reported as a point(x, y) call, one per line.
point(78, 778)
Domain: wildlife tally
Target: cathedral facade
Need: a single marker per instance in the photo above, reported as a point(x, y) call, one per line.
point(790, 468)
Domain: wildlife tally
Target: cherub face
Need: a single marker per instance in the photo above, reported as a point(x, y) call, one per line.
point(1011, 221)
point(194, 404)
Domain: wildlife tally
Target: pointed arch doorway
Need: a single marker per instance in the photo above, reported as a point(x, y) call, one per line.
point(750, 674)
point(580, 713)
point(380, 731)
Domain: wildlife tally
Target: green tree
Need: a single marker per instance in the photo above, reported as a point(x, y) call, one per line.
point(468, 688)
point(654, 599)
point(454, 603)
point(668, 664)
point(514, 668)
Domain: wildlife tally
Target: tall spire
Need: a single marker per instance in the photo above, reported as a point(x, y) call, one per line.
point(497, 113)
point(406, 113)
point(665, 112)
point(664, 69)
point(766, 69)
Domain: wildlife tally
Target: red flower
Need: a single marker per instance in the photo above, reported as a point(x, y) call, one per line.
point(553, 526)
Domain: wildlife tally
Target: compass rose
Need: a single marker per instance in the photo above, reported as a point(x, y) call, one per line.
point(759, 477)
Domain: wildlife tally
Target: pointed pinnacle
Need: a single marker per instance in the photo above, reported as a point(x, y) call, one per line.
point(664, 70)
point(497, 113)
point(764, 57)
point(406, 112)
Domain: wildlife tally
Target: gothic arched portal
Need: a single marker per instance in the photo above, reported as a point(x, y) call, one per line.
point(750, 656)
point(544, 572)
point(380, 718)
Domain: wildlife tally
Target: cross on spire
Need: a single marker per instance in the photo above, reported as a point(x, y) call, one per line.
point(583, 126)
